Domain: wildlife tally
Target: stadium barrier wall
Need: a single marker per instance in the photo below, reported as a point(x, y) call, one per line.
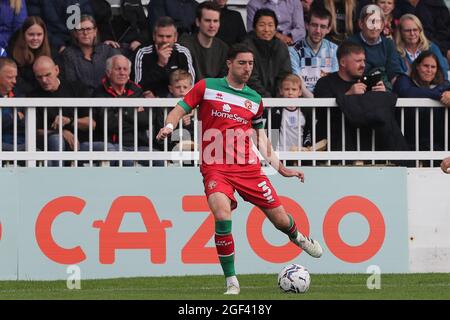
point(127, 222)
point(429, 220)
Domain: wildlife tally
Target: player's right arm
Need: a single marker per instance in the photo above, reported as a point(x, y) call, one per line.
point(171, 123)
point(191, 100)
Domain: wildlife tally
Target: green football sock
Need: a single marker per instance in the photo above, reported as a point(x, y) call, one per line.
point(225, 247)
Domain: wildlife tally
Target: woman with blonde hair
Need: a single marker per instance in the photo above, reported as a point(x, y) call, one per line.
point(13, 13)
point(411, 41)
point(343, 18)
point(31, 43)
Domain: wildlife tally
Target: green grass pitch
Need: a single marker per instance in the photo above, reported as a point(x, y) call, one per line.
point(253, 287)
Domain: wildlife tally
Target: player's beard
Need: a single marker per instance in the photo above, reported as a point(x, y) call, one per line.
point(241, 79)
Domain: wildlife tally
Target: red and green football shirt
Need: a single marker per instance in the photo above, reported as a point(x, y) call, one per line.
point(227, 117)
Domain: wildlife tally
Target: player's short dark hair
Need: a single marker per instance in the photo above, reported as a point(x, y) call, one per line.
point(264, 12)
point(208, 5)
point(347, 47)
point(163, 22)
point(238, 48)
point(321, 13)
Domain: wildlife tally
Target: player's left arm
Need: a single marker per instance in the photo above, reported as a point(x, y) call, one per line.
point(265, 148)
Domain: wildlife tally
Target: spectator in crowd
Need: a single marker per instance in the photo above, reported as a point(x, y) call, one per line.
point(180, 83)
point(117, 84)
point(271, 55)
point(346, 81)
point(208, 51)
point(445, 165)
point(315, 56)
point(154, 63)
point(289, 13)
point(31, 43)
point(60, 17)
point(128, 30)
point(343, 18)
point(426, 81)
point(380, 52)
point(435, 18)
point(411, 41)
point(306, 4)
point(183, 12)
point(232, 28)
point(294, 126)
point(60, 125)
point(390, 24)
point(8, 75)
point(85, 61)
point(13, 13)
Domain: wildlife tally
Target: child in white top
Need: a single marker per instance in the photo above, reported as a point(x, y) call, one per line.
point(292, 118)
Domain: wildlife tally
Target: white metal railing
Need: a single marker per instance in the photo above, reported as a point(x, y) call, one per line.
point(34, 157)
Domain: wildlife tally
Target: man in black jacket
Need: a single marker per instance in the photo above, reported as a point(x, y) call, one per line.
point(117, 84)
point(365, 107)
point(208, 51)
point(351, 59)
point(181, 11)
point(60, 127)
point(232, 27)
point(8, 75)
point(154, 63)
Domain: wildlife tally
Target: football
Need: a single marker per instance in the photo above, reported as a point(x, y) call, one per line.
point(294, 278)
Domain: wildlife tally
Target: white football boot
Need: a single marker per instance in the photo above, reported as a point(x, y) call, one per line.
point(232, 285)
point(311, 247)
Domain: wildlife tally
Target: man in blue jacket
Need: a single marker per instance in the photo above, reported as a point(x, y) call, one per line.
point(11, 19)
point(380, 51)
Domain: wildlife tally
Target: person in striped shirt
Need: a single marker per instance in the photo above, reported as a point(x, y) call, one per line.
point(231, 117)
point(315, 56)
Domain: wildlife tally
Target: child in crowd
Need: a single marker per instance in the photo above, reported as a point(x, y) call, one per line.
point(293, 120)
point(390, 24)
point(180, 82)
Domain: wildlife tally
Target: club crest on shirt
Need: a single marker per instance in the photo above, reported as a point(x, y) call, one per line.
point(212, 184)
point(248, 104)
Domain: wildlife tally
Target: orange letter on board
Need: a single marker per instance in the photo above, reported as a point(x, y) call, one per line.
point(365, 251)
point(43, 230)
point(111, 239)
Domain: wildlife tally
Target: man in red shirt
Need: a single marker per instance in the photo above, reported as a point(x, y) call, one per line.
point(231, 114)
